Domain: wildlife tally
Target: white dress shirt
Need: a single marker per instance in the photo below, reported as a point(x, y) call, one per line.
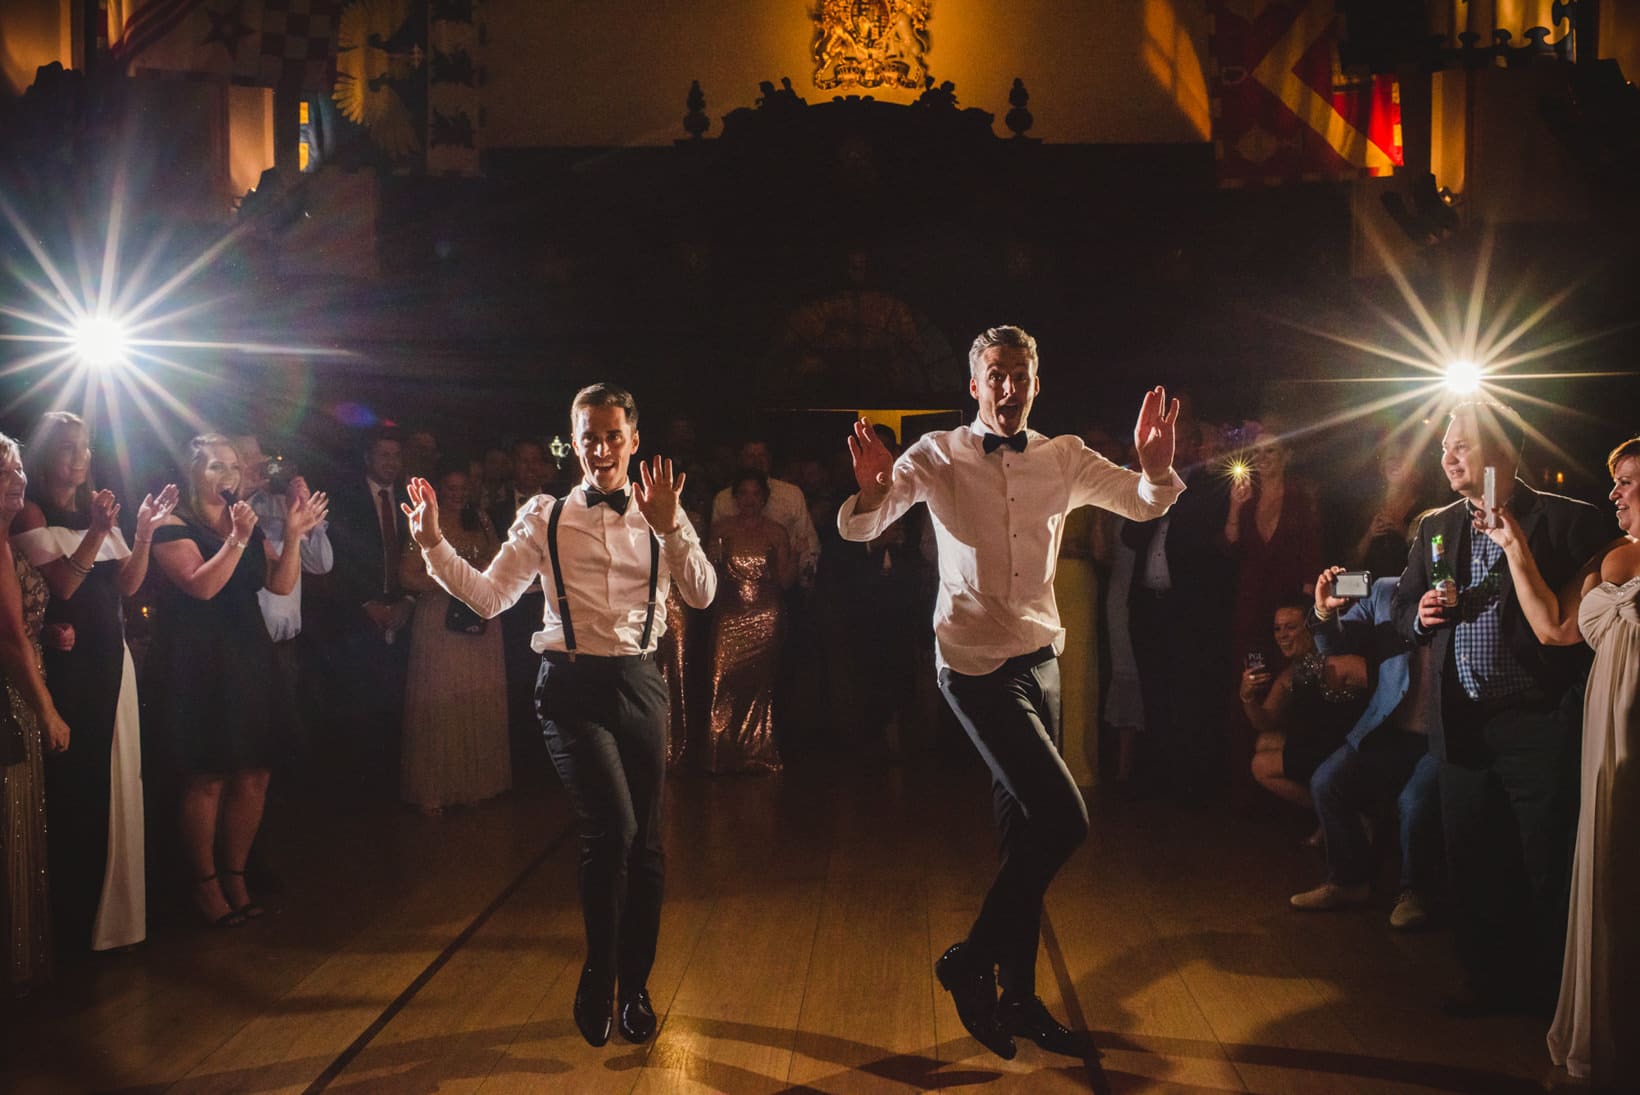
point(282, 612)
point(998, 520)
point(605, 556)
point(787, 508)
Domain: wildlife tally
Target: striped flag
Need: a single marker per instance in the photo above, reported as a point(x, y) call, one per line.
point(134, 25)
point(1283, 109)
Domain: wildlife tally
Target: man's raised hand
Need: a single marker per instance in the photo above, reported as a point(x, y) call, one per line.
point(1153, 433)
point(657, 494)
point(873, 464)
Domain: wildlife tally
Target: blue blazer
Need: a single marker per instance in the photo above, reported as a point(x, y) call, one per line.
point(1367, 628)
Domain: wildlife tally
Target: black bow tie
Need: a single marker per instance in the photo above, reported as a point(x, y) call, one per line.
point(615, 500)
point(994, 441)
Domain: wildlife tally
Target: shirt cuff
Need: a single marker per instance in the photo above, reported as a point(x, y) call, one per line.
point(680, 539)
point(855, 526)
point(1153, 492)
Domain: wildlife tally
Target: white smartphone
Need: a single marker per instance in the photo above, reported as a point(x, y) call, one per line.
point(1489, 494)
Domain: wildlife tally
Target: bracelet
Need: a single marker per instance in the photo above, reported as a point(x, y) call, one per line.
point(143, 540)
point(234, 542)
point(77, 568)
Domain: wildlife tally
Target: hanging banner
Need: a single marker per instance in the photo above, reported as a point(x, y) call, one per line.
point(1283, 109)
point(260, 43)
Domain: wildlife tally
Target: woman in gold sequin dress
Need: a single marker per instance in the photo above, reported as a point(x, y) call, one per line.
point(29, 724)
point(755, 566)
point(456, 749)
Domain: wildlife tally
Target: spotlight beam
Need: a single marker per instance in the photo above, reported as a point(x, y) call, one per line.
point(65, 293)
point(1403, 285)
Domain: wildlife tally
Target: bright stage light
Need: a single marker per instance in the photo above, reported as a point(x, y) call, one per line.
point(100, 343)
point(1463, 377)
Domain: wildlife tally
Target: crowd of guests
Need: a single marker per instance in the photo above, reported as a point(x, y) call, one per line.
point(280, 617)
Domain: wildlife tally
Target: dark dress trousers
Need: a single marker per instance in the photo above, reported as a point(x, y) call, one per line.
point(1509, 766)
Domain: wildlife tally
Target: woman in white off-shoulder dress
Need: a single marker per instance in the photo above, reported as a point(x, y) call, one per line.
point(1596, 1029)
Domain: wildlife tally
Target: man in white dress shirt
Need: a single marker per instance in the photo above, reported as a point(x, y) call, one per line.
point(786, 507)
point(599, 693)
point(997, 494)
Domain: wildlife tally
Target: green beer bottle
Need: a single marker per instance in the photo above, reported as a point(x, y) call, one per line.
point(1440, 575)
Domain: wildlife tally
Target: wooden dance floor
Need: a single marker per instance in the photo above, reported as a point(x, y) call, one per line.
point(803, 917)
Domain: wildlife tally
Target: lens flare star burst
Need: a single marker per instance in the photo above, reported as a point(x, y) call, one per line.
point(83, 330)
point(1462, 356)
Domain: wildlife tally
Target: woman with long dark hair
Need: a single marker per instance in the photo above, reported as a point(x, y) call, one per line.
point(69, 530)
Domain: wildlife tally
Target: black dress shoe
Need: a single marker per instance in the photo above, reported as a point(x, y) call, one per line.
point(972, 984)
point(594, 1001)
point(637, 1017)
point(1030, 1018)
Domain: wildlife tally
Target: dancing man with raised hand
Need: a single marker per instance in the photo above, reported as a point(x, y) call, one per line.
point(606, 554)
point(998, 494)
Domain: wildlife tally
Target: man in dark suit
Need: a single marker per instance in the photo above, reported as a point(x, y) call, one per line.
point(532, 475)
point(1180, 601)
point(1510, 715)
point(368, 614)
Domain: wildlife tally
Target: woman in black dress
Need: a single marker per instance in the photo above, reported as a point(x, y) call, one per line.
point(209, 681)
point(69, 532)
point(1306, 709)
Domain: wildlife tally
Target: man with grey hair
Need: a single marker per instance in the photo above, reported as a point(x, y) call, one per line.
point(997, 495)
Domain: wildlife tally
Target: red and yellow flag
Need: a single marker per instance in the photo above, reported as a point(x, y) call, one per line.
point(1283, 109)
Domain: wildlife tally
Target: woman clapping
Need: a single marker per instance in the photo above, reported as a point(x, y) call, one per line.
point(208, 686)
point(68, 530)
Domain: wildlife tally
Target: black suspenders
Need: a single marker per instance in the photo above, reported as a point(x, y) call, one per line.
point(563, 598)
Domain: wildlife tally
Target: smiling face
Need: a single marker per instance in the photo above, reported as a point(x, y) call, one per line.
point(605, 443)
point(1005, 384)
point(452, 490)
point(216, 472)
point(69, 460)
point(1292, 639)
point(1465, 454)
point(1626, 495)
point(1267, 459)
point(13, 482)
point(384, 462)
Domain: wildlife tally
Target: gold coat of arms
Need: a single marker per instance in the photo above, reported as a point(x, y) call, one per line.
point(870, 43)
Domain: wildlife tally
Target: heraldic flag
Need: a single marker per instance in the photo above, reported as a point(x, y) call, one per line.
point(261, 43)
point(1283, 109)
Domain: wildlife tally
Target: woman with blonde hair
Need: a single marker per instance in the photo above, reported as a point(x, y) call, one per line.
point(69, 531)
point(29, 723)
point(210, 669)
point(1600, 973)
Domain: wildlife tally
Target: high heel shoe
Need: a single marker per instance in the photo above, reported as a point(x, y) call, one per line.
point(250, 910)
point(230, 919)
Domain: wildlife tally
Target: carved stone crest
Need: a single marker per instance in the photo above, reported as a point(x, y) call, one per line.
point(870, 43)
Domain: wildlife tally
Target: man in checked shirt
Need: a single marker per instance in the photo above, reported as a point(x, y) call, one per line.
point(1509, 719)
